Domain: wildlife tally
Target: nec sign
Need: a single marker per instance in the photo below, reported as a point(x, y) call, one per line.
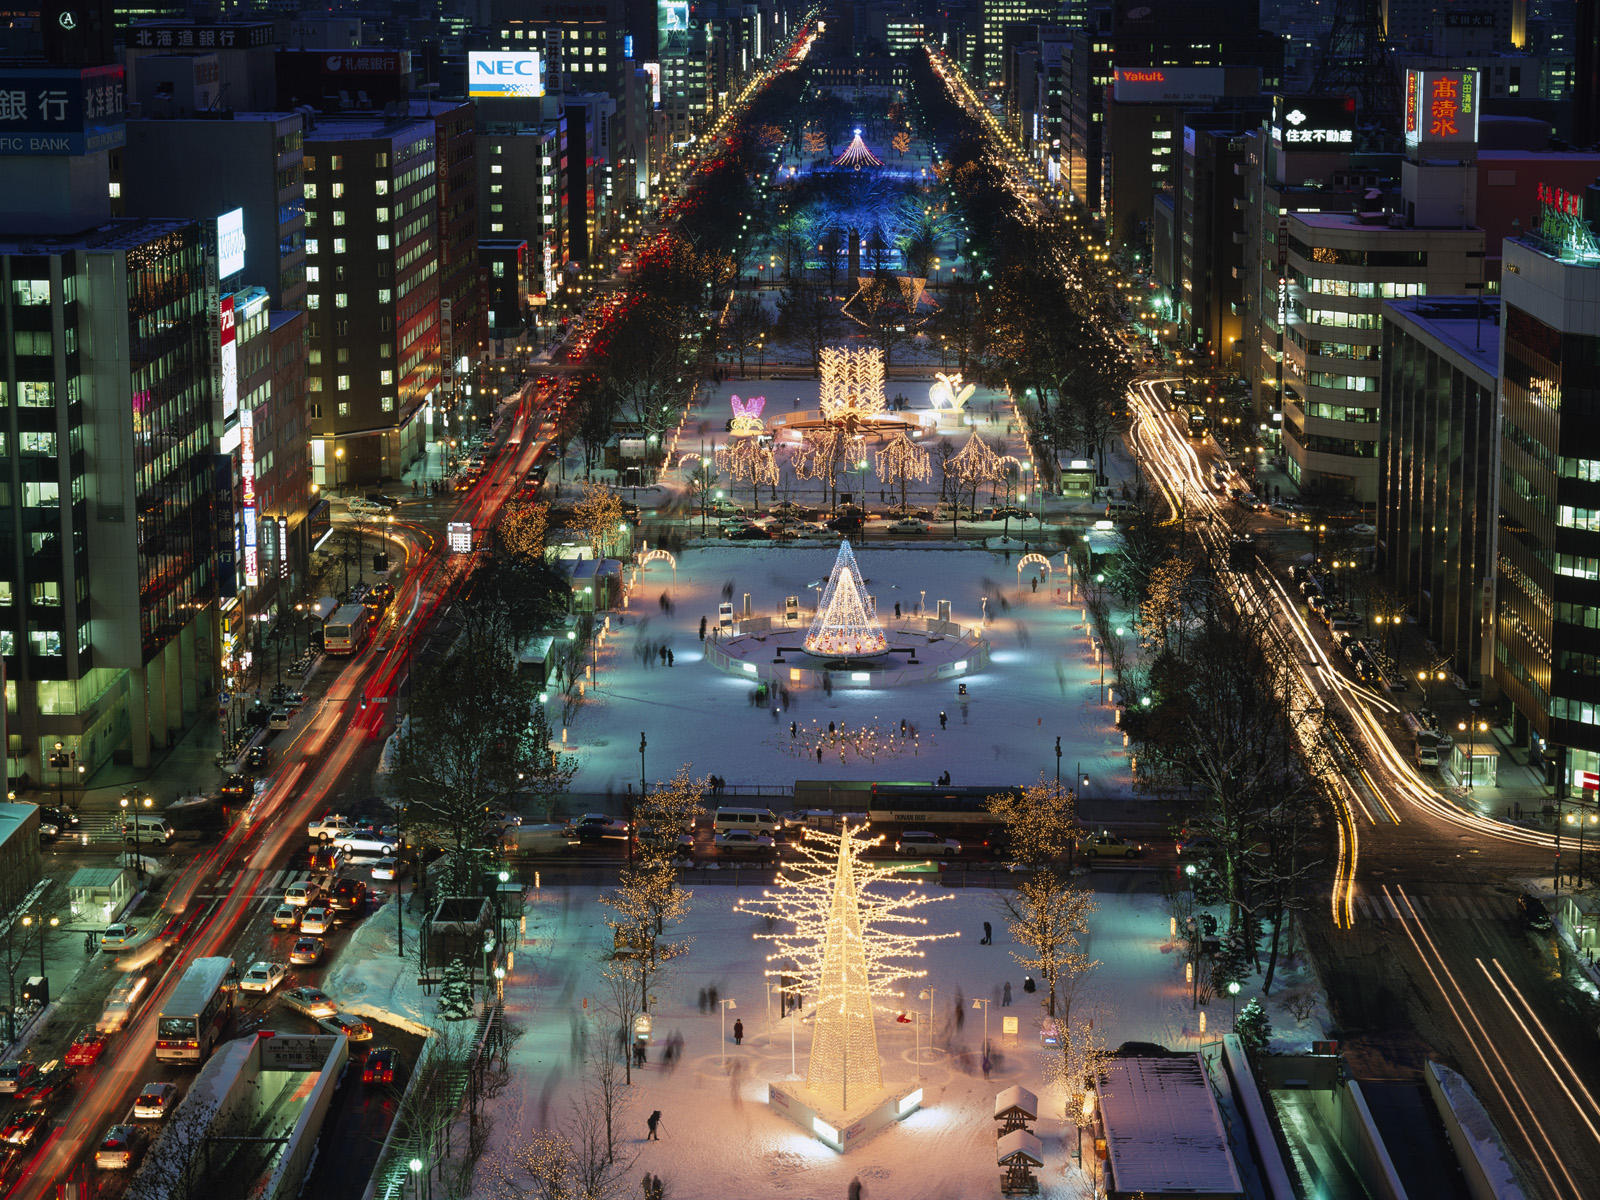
point(494, 75)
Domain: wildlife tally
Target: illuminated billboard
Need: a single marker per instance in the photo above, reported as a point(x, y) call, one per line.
point(504, 75)
point(1442, 108)
point(672, 16)
point(1167, 85)
point(1310, 122)
point(230, 243)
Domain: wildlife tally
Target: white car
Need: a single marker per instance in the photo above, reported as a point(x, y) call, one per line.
point(743, 841)
point(385, 868)
point(155, 1101)
point(119, 935)
point(917, 841)
point(910, 525)
point(310, 1001)
point(316, 921)
point(380, 842)
point(367, 507)
point(353, 1028)
point(119, 1148)
point(328, 828)
point(263, 977)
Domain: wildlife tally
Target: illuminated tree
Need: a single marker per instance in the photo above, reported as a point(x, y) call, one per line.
point(821, 452)
point(1041, 824)
point(599, 516)
point(521, 528)
point(851, 927)
point(1048, 918)
point(749, 460)
point(902, 461)
point(1073, 1065)
point(901, 142)
point(852, 383)
point(845, 623)
point(970, 467)
point(816, 141)
point(856, 155)
point(703, 481)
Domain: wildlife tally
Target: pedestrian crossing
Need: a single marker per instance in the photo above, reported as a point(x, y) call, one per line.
point(1435, 906)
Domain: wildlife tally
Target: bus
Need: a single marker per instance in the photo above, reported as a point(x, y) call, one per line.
point(927, 805)
point(1199, 422)
point(347, 630)
point(196, 1013)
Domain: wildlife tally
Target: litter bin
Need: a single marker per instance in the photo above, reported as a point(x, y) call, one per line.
point(36, 990)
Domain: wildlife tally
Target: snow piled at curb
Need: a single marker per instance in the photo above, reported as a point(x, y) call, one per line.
point(371, 979)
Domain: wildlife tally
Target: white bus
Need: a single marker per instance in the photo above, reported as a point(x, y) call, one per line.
point(346, 631)
point(198, 1010)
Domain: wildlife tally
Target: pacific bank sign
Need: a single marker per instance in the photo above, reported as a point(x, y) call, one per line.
point(494, 75)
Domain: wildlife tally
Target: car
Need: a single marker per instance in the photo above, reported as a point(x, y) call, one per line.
point(317, 920)
point(328, 828)
point(367, 508)
point(349, 895)
point(382, 501)
point(121, 1147)
point(155, 1101)
point(122, 1002)
point(385, 869)
point(302, 894)
point(750, 533)
point(1534, 914)
point(379, 1067)
point(848, 525)
point(119, 935)
point(1109, 845)
point(236, 786)
point(86, 1048)
point(382, 842)
point(286, 916)
point(908, 526)
point(650, 840)
point(263, 977)
point(1363, 529)
point(595, 827)
point(307, 951)
point(744, 841)
point(353, 1028)
point(921, 842)
point(23, 1127)
point(258, 758)
point(280, 719)
point(309, 1001)
point(50, 1082)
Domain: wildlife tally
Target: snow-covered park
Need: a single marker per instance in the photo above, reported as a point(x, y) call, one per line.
point(719, 1139)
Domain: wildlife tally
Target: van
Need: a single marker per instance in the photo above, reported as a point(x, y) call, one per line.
point(146, 831)
point(1427, 756)
point(757, 820)
point(1121, 508)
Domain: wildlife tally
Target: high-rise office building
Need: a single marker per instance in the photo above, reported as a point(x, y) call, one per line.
point(998, 15)
point(372, 291)
point(106, 550)
point(1547, 557)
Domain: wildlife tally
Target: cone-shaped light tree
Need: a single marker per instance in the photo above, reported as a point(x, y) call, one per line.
point(845, 623)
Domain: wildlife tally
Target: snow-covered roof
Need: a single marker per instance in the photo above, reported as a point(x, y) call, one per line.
point(1164, 1133)
point(1019, 1143)
point(1015, 1097)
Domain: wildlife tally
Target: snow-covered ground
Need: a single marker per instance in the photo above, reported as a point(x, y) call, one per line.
point(1041, 683)
point(720, 1140)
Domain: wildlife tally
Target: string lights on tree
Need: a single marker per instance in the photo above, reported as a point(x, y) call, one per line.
point(749, 460)
point(845, 623)
point(855, 935)
point(856, 155)
point(902, 462)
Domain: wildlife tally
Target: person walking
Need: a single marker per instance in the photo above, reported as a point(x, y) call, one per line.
point(988, 935)
point(702, 1001)
point(961, 1010)
point(942, 719)
point(672, 659)
point(702, 629)
point(654, 1122)
point(856, 1192)
point(738, 1033)
point(1005, 997)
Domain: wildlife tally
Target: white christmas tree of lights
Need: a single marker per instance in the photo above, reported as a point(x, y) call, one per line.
point(855, 935)
point(857, 155)
point(844, 624)
point(852, 383)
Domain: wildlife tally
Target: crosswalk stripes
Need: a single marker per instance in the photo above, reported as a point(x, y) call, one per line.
point(269, 885)
point(1438, 906)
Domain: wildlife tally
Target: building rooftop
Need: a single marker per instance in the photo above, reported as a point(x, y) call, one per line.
point(339, 127)
point(1466, 325)
point(123, 233)
point(1164, 1133)
point(13, 817)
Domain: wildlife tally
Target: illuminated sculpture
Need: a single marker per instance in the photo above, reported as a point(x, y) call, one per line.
point(950, 392)
point(747, 417)
point(844, 624)
point(852, 383)
point(842, 948)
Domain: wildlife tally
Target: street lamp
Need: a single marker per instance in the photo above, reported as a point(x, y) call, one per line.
point(984, 1004)
point(1233, 999)
point(131, 799)
point(27, 923)
point(1424, 678)
point(1580, 818)
point(724, 1006)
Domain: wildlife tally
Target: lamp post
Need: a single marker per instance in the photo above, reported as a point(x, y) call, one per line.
point(1431, 675)
point(984, 1004)
point(134, 799)
point(927, 994)
point(1581, 820)
point(1233, 999)
point(1058, 762)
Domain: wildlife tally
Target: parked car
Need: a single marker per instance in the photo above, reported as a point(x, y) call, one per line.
point(353, 1028)
point(309, 1001)
point(306, 951)
point(921, 842)
point(263, 977)
point(258, 758)
point(745, 841)
point(1109, 845)
point(908, 526)
point(1534, 914)
point(379, 1067)
point(120, 1149)
point(317, 920)
point(155, 1101)
point(86, 1048)
point(750, 533)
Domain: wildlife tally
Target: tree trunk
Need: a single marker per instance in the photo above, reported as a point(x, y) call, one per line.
point(1272, 956)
